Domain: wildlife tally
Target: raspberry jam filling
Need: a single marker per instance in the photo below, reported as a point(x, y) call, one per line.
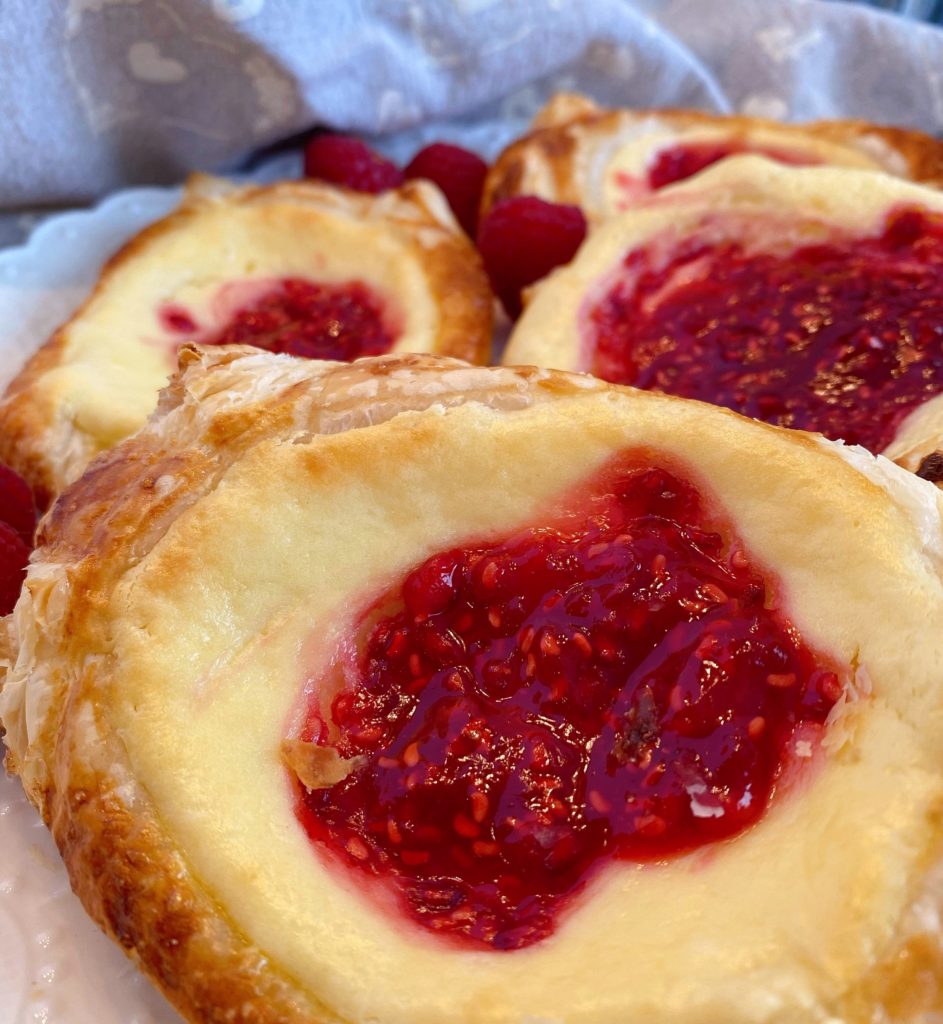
point(676, 163)
point(298, 317)
point(616, 684)
point(843, 337)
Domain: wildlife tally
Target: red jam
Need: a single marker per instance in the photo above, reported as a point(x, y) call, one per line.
point(17, 526)
point(844, 337)
point(300, 318)
point(616, 684)
point(676, 163)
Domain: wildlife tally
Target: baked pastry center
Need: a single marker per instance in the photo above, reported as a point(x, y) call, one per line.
point(616, 682)
point(840, 336)
point(296, 316)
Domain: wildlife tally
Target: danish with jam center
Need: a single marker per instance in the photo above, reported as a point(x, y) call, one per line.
point(520, 671)
point(809, 298)
point(299, 267)
point(605, 161)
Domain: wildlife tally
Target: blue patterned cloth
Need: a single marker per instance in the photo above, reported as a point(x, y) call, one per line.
point(97, 94)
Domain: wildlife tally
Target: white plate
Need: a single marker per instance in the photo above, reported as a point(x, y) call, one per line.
point(56, 967)
point(43, 281)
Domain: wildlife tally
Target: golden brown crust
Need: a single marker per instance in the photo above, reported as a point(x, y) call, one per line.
point(72, 759)
point(564, 108)
point(921, 153)
point(507, 175)
point(39, 438)
point(151, 904)
point(571, 123)
point(158, 912)
point(24, 421)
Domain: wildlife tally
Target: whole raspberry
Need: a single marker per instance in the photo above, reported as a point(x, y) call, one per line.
point(14, 555)
point(459, 173)
point(350, 162)
point(16, 504)
point(522, 239)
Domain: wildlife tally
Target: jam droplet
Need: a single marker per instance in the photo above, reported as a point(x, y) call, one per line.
point(843, 337)
point(612, 684)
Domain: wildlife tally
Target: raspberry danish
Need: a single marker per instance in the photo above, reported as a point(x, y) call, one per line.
point(300, 267)
point(608, 160)
point(808, 298)
point(408, 691)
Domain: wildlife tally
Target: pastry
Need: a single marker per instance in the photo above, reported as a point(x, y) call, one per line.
point(607, 160)
point(806, 297)
point(300, 267)
point(409, 691)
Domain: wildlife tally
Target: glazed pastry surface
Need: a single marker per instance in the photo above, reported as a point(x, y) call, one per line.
point(197, 579)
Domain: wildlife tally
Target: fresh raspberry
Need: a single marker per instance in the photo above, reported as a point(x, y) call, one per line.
point(14, 555)
point(350, 162)
point(459, 173)
point(16, 504)
point(523, 239)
